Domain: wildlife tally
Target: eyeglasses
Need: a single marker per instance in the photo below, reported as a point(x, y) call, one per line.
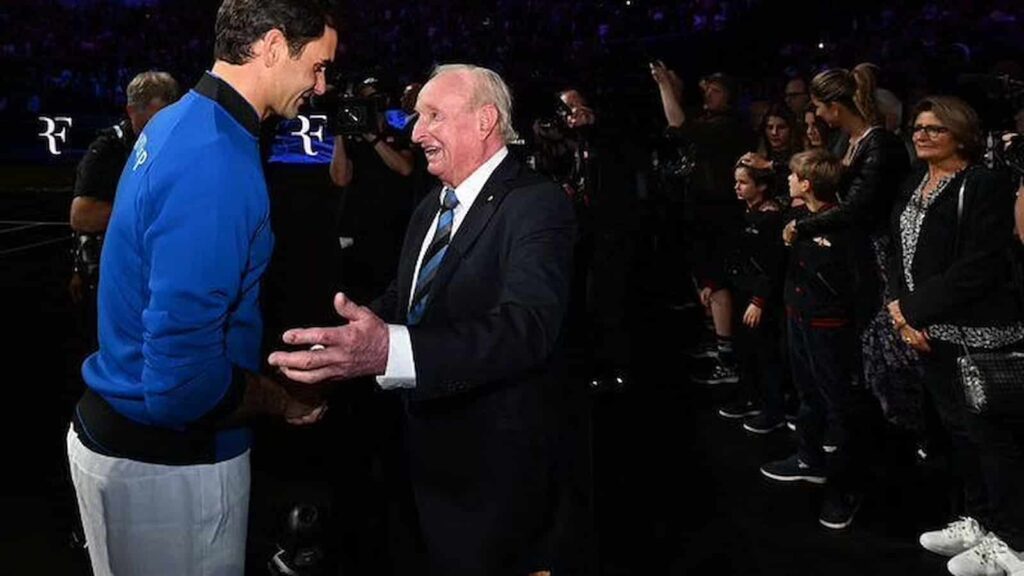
point(795, 94)
point(930, 131)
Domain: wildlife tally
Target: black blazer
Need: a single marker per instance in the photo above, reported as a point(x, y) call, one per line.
point(965, 281)
point(480, 423)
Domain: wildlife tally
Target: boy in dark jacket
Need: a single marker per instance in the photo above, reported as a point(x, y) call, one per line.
point(753, 271)
point(822, 282)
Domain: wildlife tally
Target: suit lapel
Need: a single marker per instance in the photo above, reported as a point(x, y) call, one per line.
point(476, 220)
point(419, 228)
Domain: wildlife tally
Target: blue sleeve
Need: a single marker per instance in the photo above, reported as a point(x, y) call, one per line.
point(198, 228)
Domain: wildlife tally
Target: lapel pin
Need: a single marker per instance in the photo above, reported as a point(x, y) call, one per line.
point(491, 197)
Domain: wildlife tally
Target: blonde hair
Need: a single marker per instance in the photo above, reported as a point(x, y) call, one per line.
point(488, 88)
point(822, 169)
point(151, 85)
point(854, 90)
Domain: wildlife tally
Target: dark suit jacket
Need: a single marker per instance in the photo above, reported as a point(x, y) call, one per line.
point(480, 424)
point(959, 278)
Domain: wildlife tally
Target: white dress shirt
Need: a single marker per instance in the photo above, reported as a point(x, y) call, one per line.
point(401, 367)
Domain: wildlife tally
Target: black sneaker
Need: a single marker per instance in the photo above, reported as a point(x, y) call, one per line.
point(838, 510)
point(719, 375)
point(763, 423)
point(739, 409)
point(793, 469)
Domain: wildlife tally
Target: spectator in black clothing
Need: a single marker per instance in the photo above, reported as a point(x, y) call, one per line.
point(796, 95)
point(96, 184)
point(376, 171)
point(952, 227)
point(716, 137)
point(779, 138)
point(575, 149)
point(822, 281)
point(754, 272)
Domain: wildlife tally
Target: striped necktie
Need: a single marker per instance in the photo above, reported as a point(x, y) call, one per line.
point(433, 256)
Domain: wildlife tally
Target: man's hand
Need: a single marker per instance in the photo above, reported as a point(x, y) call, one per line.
point(298, 413)
point(752, 317)
point(359, 348)
point(76, 288)
point(705, 297)
point(789, 233)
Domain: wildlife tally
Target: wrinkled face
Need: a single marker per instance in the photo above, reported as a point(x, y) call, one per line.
point(776, 130)
point(827, 111)
point(796, 95)
point(746, 188)
point(448, 127)
point(716, 99)
point(933, 141)
point(303, 76)
point(813, 134)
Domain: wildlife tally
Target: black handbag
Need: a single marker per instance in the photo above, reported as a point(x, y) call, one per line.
point(993, 382)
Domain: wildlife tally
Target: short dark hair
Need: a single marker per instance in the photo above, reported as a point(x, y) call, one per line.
point(240, 23)
point(822, 169)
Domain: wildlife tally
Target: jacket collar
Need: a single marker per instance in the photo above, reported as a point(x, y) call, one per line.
point(238, 107)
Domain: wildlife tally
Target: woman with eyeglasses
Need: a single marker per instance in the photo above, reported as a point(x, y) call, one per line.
point(952, 229)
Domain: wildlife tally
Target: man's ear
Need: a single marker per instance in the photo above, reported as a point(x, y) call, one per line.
point(271, 48)
point(487, 119)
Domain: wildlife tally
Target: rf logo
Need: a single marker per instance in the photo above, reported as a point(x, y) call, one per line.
point(307, 135)
point(52, 134)
point(141, 155)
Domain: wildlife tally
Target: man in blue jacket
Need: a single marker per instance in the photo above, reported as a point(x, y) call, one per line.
point(159, 451)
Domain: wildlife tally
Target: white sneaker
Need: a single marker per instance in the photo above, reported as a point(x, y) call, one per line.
point(991, 557)
point(955, 538)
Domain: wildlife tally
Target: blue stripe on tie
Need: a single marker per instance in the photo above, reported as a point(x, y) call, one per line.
point(433, 256)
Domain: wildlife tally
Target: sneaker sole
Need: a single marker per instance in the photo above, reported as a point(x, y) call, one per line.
point(829, 448)
point(700, 355)
point(750, 428)
point(948, 553)
point(840, 525)
point(738, 415)
point(811, 479)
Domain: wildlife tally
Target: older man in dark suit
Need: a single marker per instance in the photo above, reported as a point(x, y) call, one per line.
point(468, 330)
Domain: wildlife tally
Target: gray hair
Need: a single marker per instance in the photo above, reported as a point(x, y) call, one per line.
point(147, 86)
point(488, 88)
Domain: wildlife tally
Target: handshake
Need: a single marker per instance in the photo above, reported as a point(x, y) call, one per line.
point(358, 348)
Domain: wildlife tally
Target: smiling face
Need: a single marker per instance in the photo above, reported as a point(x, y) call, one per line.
point(827, 111)
point(456, 135)
point(299, 78)
point(933, 141)
point(814, 139)
point(777, 132)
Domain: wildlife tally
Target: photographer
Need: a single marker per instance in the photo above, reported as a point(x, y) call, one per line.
point(374, 162)
point(96, 183)
point(714, 138)
point(570, 147)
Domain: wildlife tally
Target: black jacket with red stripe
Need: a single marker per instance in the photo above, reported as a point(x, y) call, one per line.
point(824, 274)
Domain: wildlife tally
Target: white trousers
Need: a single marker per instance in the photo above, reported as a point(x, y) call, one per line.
point(150, 520)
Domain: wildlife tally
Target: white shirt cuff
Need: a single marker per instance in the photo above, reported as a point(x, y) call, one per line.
point(401, 369)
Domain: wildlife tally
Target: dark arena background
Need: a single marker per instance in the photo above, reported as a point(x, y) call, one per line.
point(667, 485)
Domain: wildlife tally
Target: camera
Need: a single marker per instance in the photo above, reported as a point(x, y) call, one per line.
point(355, 115)
point(1001, 155)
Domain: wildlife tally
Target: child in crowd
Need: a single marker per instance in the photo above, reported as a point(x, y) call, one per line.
point(753, 271)
point(820, 293)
